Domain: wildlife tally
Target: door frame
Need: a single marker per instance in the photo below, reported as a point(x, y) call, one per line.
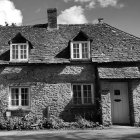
point(128, 103)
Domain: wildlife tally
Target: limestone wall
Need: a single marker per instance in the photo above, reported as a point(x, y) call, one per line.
point(106, 103)
point(50, 86)
point(135, 101)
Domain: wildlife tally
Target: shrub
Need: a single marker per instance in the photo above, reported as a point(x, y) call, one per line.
point(83, 123)
point(28, 122)
point(15, 123)
point(57, 123)
point(47, 123)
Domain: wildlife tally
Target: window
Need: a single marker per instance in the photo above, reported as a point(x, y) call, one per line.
point(76, 51)
point(85, 51)
point(80, 50)
point(82, 94)
point(19, 97)
point(19, 52)
point(116, 92)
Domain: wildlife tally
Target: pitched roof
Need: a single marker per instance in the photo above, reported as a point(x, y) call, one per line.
point(119, 73)
point(19, 39)
point(52, 46)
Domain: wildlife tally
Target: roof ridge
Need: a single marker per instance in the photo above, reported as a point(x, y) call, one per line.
point(131, 35)
point(16, 26)
point(80, 24)
point(22, 26)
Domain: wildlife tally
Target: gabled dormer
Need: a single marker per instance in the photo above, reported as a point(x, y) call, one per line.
point(19, 49)
point(80, 47)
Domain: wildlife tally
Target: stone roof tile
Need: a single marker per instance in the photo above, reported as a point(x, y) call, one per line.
point(117, 73)
point(108, 43)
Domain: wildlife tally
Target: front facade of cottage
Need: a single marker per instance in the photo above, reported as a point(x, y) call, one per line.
point(90, 70)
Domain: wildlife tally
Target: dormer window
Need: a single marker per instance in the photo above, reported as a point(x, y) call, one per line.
point(19, 52)
point(80, 49)
point(19, 48)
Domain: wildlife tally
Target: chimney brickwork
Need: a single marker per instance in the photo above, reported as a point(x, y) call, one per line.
point(52, 18)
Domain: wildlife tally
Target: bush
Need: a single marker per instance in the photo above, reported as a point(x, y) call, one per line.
point(47, 123)
point(15, 123)
point(83, 123)
point(28, 122)
point(57, 123)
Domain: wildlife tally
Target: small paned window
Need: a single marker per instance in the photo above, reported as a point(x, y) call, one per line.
point(19, 52)
point(19, 97)
point(116, 92)
point(76, 51)
point(80, 50)
point(85, 51)
point(82, 94)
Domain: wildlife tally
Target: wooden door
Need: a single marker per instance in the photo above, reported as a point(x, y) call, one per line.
point(120, 103)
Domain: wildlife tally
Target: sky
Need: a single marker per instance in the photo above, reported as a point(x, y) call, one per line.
point(122, 14)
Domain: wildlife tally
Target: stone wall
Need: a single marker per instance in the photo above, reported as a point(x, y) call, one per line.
point(135, 101)
point(106, 103)
point(50, 86)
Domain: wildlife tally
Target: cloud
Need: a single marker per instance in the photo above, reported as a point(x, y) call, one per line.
point(101, 3)
point(73, 15)
point(106, 3)
point(38, 10)
point(82, 1)
point(95, 21)
point(92, 4)
point(9, 14)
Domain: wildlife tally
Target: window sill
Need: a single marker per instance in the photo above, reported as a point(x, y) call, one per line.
point(18, 108)
point(82, 105)
point(86, 59)
point(18, 61)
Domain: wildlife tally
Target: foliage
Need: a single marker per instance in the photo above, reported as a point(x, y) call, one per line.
point(29, 122)
point(16, 123)
point(47, 123)
point(83, 123)
point(57, 123)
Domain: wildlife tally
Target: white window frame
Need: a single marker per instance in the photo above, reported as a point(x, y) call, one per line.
point(19, 52)
point(82, 93)
point(80, 49)
point(11, 107)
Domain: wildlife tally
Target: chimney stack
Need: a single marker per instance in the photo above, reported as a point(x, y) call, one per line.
point(52, 18)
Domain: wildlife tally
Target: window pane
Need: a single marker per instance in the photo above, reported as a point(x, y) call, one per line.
point(14, 51)
point(21, 54)
point(14, 96)
point(23, 51)
point(77, 98)
point(85, 100)
point(24, 97)
point(89, 100)
point(20, 95)
point(21, 47)
point(76, 51)
point(79, 94)
point(87, 94)
point(84, 50)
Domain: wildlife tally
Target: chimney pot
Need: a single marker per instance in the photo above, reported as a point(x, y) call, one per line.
point(52, 18)
point(100, 20)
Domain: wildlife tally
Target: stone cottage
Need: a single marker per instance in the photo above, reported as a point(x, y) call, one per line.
point(67, 70)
